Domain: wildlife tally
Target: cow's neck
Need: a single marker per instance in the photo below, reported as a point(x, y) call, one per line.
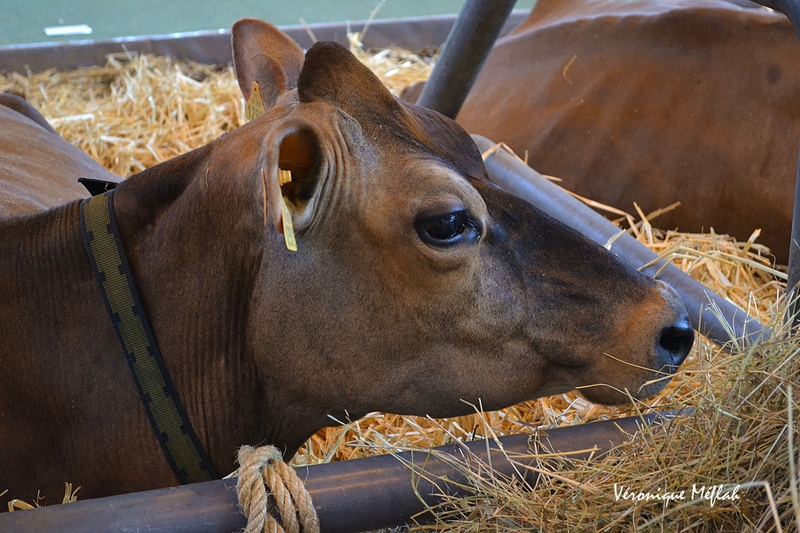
point(196, 247)
point(66, 360)
point(194, 257)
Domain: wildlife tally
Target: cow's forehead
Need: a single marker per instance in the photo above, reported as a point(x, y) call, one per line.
point(416, 132)
point(448, 141)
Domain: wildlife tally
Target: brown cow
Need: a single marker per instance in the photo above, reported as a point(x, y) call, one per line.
point(416, 285)
point(654, 102)
point(38, 169)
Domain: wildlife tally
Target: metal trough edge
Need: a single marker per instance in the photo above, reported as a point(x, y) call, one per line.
point(214, 46)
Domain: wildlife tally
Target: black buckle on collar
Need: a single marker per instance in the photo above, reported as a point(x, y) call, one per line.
point(95, 186)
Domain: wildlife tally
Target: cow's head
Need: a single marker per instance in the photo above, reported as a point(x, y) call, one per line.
point(418, 285)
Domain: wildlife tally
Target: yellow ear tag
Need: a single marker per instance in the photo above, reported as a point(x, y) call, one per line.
point(288, 229)
point(254, 107)
point(284, 176)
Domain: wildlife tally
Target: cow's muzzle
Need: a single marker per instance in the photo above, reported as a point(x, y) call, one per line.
point(676, 337)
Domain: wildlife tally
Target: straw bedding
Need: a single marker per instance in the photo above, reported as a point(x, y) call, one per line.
point(137, 111)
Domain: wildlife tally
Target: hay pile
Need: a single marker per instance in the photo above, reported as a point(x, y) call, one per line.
point(140, 110)
point(136, 111)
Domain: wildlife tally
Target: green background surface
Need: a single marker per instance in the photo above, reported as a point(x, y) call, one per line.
point(23, 21)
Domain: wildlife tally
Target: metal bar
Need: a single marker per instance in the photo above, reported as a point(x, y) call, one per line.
point(350, 496)
point(464, 53)
point(794, 255)
point(519, 179)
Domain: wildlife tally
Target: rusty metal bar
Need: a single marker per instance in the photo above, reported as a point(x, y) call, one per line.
point(516, 177)
point(350, 496)
point(464, 53)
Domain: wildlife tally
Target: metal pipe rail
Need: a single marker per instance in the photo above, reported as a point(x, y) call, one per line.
point(511, 174)
point(464, 53)
point(350, 496)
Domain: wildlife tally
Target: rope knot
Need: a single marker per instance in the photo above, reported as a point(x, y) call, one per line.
point(262, 473)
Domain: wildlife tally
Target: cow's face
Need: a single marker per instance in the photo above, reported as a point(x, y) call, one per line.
point(512, 303)
point(418, 285)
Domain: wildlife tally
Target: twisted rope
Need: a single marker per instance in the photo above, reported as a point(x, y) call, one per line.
point(262, 473)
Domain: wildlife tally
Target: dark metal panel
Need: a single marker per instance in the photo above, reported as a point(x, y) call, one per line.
point(214, 47)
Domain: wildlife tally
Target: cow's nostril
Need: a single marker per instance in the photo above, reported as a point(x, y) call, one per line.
point(677, 340)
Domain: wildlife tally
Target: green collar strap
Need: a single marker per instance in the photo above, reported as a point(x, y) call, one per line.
point(159, 397)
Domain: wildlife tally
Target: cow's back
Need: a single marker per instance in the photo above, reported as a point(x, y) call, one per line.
point(39, 169)
point(654, 103)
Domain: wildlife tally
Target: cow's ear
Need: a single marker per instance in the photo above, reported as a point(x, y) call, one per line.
point(332, 74)
point(293, 151)
point(264, 54)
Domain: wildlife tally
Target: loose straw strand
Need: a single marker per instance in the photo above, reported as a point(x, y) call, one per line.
point(262, 473)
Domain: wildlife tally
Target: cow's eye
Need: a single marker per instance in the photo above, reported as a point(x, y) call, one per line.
point(446, 229)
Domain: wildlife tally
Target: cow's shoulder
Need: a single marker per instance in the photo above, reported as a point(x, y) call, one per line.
point(38, 168)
